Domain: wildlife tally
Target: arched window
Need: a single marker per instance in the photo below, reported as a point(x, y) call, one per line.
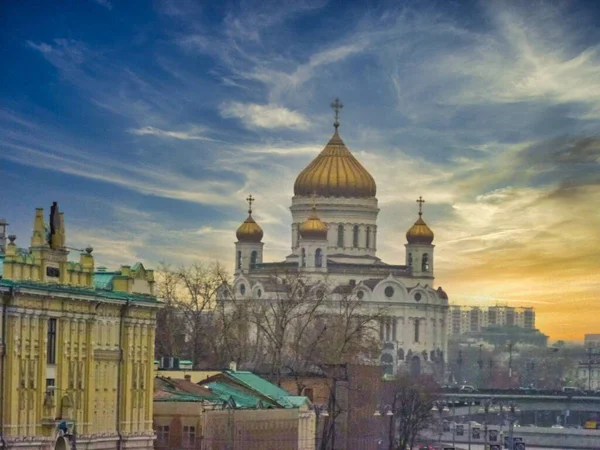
point(355, 236)
point(400, 354)
point(239, 260)
point(368, 245)
point(425, 263)
point(410, 260)
point(415, 366)
point(340, 236)
point(319, 258)
point(417, 325)
point(253, 257)
point(303, 258)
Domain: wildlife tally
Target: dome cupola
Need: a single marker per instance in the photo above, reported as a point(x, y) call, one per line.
point(420, 233)
point(249, 231)
point(335, 172)
point(313, 227)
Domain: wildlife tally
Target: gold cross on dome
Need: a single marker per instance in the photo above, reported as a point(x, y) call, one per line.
point(420, 201)
point(336, 105)
point(250, 200)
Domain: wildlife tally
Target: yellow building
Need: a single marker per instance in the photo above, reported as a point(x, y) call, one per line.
point(76, 346)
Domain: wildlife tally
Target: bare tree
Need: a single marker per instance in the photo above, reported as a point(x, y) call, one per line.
point(186, 324)
point(169, 337)
point(411, 402)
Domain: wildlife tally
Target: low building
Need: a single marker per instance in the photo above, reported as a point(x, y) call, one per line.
point(231, 410)
point(76, 347)
point(588, 374)
point(345, 397)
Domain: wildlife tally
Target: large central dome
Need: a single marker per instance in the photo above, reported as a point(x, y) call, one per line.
point(335, 173)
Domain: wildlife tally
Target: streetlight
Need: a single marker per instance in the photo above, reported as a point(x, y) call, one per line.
point(512, 409)
point(510, 349)
point(486, 403)
point(480, 364)
point(387, 411)
point(441, 407)
point(320, 411)
point(590, 353)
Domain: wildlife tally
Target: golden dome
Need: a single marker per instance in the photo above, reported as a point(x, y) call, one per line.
point(313, 228)
point(335, 172)
point(420, 233)
point(249, 231)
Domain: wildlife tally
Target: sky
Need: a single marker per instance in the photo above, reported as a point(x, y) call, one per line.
point(150, 123)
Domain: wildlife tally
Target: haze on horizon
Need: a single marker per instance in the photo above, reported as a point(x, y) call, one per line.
point(150, 123)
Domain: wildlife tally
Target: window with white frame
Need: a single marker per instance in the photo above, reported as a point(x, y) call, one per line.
point(189, 436)
point(162, 434)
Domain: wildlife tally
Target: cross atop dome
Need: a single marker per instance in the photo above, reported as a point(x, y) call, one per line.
point(249, 231)
point(420, 201)
point(337, 106)
point(250, 200)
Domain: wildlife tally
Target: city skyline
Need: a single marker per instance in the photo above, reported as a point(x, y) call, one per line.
point(150, 124)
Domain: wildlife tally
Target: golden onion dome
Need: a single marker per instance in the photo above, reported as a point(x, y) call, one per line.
point(313, 227)
point(335, 172)
point(249, 231)
point(420, 233)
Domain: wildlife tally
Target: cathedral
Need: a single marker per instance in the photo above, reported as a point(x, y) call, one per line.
point(334, 237)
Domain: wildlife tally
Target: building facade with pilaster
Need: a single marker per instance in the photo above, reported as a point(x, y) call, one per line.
point(76, 346)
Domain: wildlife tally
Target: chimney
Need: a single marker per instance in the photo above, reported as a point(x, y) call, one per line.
point(3, 225)
point(187, 377)
point(233, 366)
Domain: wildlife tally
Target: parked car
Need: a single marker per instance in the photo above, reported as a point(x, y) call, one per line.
point(468, 388)
point(572, 390)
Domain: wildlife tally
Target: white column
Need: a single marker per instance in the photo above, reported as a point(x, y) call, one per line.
point(362, 236)
point(374, 240)
point(294, 235)
point(348, 235)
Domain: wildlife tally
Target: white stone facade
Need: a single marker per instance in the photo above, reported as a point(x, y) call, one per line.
point(414, 329)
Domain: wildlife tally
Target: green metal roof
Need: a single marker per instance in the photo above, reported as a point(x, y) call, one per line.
point(104, 280)
point(172, 391)
point(251, 391)
point(227, 392)
point(258, 384)
point(78, 290)
point(297, 400)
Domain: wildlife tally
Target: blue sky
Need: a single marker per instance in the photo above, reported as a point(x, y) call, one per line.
point(150, 122)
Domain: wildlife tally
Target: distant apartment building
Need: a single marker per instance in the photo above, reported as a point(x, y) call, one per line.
point(471, 319)
point(591, 340)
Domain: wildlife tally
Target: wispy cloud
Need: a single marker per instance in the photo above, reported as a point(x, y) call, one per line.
point(194, 134)
point(264, 116)
point(490, 115)
point(104, 3)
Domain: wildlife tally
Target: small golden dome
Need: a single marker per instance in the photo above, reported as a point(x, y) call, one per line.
point(335, 172)
point(249, 231)
point(313, 227)
point(420, 233)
